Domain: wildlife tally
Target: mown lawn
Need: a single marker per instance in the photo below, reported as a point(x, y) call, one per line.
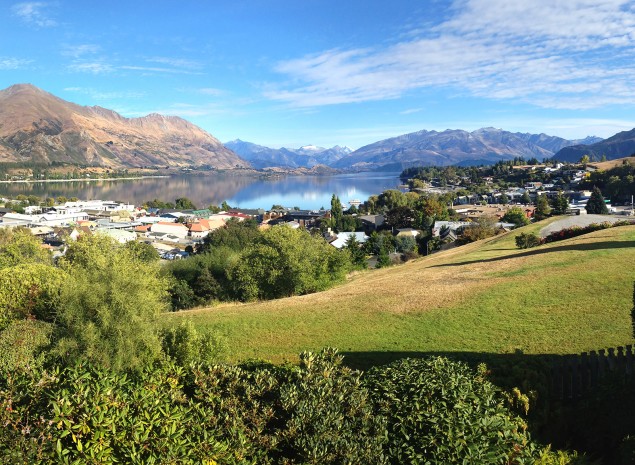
point(485, 298)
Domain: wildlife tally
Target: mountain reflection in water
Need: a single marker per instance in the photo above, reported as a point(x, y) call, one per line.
point(306, 192)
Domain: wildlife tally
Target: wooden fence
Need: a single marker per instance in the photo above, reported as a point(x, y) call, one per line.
point(573, 375)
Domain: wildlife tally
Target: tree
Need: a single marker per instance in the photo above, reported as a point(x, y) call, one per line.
point(183, 203)
point(237, 235)
point(560, 204)
point(584, 160)
point(358, 255)
point(596, 204)
point(525, 199)
point(336, 213)
point(286, 262)
point(504, 199)
point(400, 217)
point(19, 246)
point(543, 210)
point(517, 216)
point(108, 306)
point(483, 227)
point(225, 206)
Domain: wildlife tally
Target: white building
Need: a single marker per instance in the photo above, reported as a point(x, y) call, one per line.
point(43, 219)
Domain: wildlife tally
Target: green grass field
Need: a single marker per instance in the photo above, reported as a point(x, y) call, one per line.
point(486, 298)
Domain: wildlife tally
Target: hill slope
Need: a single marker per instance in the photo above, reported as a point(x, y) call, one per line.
point(36, 126)
point(486, 297)
point(454, 147)
point(620, 145)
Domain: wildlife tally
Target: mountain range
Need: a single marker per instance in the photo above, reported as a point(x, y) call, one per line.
point(36, 126)
point(454, 147)
point(306, 156)
point(620, 145)
point(422, 148)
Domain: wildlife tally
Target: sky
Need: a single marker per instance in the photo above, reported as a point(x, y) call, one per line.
point(346, 72)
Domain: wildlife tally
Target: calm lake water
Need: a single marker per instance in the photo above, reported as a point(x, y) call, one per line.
point(306, 192)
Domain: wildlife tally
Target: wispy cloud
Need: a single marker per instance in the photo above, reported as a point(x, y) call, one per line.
point(156, 69)
point(181, 63)
point(97, 67)
point(7, 63)
point(576, 54)
point(103, 95)
point(80, 50)
point(34, 13)
point(410, 111)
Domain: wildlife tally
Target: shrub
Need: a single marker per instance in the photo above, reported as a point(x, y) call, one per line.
point(527, 240)
point(440, 412)
point(185, 345)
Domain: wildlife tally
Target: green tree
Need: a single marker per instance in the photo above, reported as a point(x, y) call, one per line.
point(559, 204)
point(504, 199)
point(392, 198)
point(358, 255)
point(400, 217)
point(287, 262)
point(596, 204)
point(19, 246)
point(525, 199)
point(543, 210)
point(183, 203)
point(482, 228)
point(336, 213)
point(585, 160)
point(109, 305)
point(236, 235)
point(517, 216)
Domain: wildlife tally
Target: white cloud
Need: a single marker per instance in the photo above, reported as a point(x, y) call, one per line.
point(92, 68)
point(101, 95)
point(34, 13)
point(176, 62)
point(155, 69)
point(13, 63)
point(573, 54)
point(78, 51)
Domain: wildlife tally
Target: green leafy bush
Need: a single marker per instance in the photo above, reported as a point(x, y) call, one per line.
point(527, 240)
point(440, 412)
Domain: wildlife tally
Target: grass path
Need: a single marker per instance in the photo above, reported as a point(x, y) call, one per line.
point(486, 297)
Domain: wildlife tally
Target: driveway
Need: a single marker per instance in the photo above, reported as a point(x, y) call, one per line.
point(578, 220)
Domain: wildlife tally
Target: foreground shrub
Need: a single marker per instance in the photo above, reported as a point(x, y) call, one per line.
point(440, 412)
point(427, 411)
point(316, 413)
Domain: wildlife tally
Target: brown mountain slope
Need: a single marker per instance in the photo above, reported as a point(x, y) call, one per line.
point(37, 126)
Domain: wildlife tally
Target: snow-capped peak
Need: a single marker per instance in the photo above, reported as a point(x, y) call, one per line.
point(313, 148)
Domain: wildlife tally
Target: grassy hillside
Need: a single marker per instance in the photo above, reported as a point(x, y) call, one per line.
point(487, 297)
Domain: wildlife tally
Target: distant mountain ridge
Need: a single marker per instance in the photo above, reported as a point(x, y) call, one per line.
point(453, 147)
point(306, 156)
point(620, 145)
point(36, 126)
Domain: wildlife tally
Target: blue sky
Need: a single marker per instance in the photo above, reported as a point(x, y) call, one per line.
point(347, 72)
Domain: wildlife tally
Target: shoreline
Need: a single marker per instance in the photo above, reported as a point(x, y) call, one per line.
point(128, 178)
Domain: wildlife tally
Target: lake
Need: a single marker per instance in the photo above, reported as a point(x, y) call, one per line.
point(306, 192)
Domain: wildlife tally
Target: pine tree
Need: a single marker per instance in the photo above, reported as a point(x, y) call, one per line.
point(560, 204)
point(543, 210)
point(525, 199)
point(596, 204)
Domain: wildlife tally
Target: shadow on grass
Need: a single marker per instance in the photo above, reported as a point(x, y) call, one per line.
point(542, 250)
point(595, 424)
